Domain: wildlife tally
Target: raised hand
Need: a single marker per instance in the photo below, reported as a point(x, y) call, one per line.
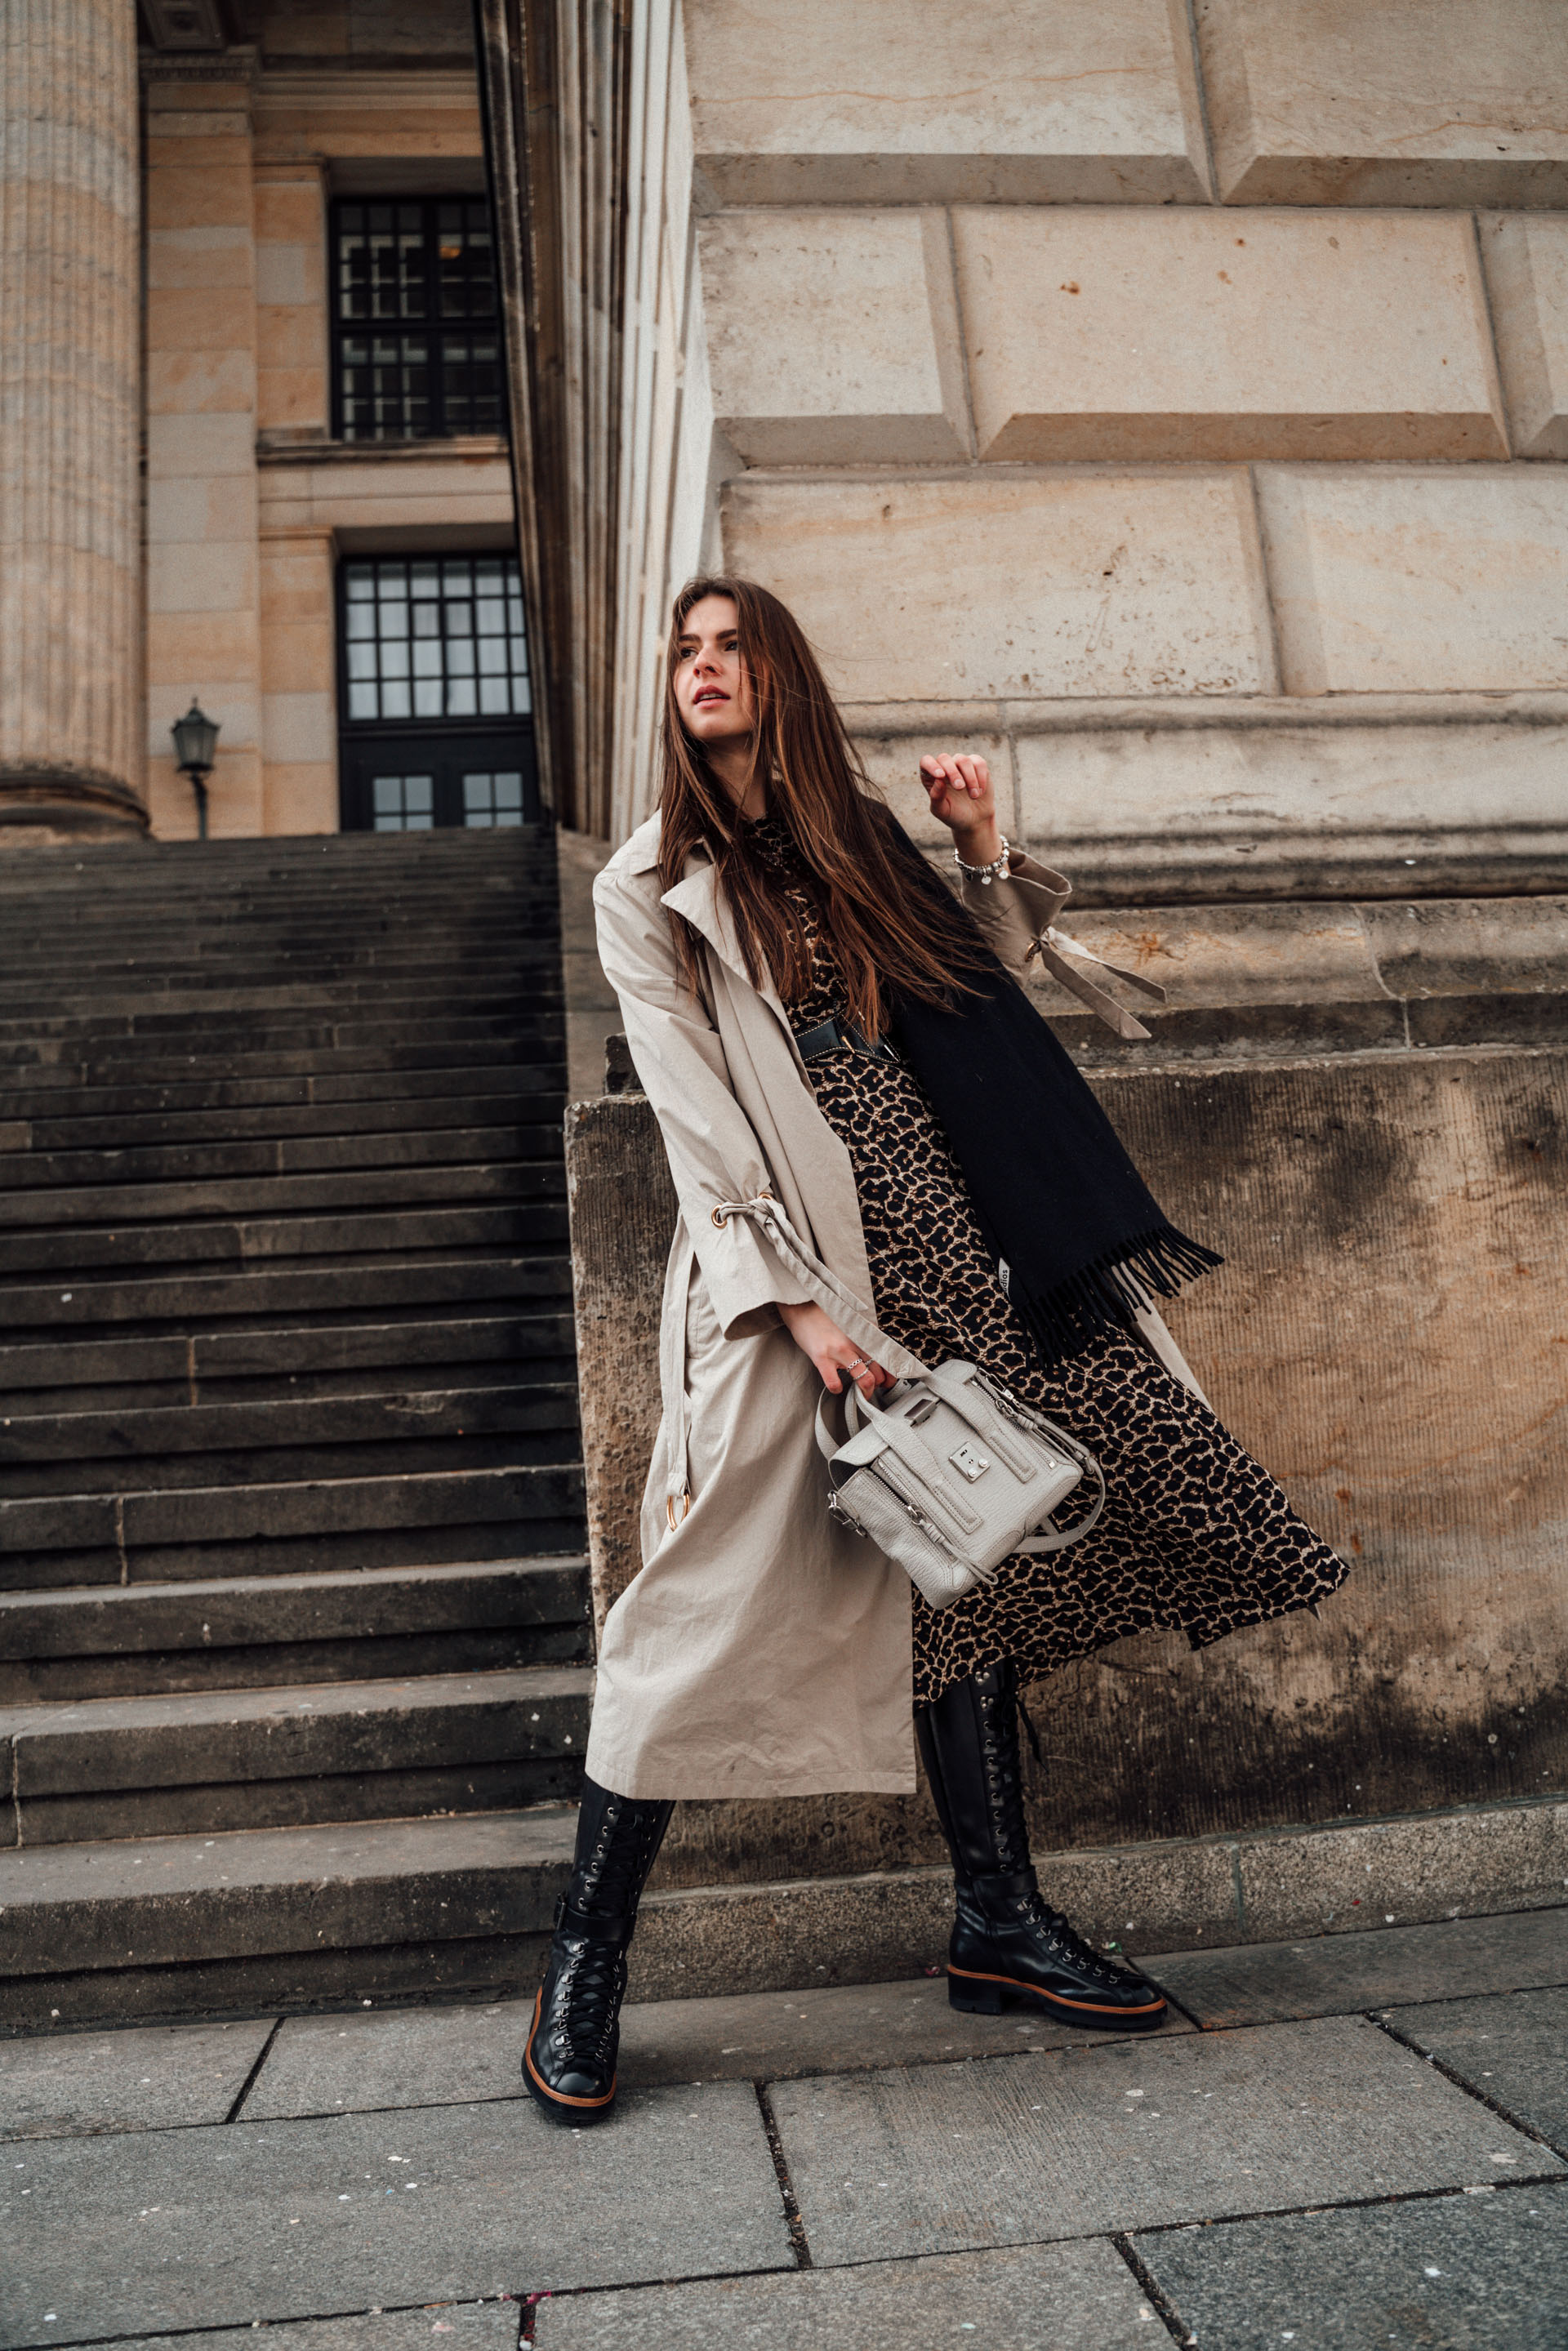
point(961, 796)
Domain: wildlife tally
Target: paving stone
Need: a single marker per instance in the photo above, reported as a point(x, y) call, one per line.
point(1030, 2298)
point(472, 2325)
point(1447, 2274)
point(1513, 2049)
point(147, 2080)
point(321, 2064)
point(1332, 1975)
point(285, 2219)
point(1065, 2144)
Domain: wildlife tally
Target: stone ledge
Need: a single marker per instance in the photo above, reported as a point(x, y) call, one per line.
point(1202, 1892)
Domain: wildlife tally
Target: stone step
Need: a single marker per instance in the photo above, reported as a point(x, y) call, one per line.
point(399, 1114)
point(297, 1360)
point(319, 1291)
point(385, 1070)
point(171, 1926)
point(237, 1633)
point(62, 1107)
point(226, 1760)
point(135, 1528)
point(76, 998)
point(160, 1446)
point(166, 1207)
point(400, 1232)
point(413, 1145)
point(205, 1038)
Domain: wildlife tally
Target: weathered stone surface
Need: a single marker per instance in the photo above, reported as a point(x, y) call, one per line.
point(449, 2056)
point(1401, 1871)
point(1395, 581)
point(70, 560)
point(1467, 2273)
point(899, 103)
point(623, 1209)
point(1264, 1984)
point(1314, 810)
point(271, 2220)
point(853, 356)
point(1144, 583)
point(149, 2080)
point(1199, 334)
point(1526, 258)
point(1313, 103)
point(942, 2159)
point(1027, 2298)
point(1512, 2050)
point(474, 2326)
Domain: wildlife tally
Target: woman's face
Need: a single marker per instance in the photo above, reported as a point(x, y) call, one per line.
point(713, 691)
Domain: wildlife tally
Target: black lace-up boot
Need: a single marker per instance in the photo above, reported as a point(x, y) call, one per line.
point(570, 2062)
point(1006, 1943)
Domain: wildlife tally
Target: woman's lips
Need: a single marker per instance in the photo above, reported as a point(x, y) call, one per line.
point(712, 695)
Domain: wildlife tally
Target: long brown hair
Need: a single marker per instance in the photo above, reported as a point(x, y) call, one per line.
point(889, 926)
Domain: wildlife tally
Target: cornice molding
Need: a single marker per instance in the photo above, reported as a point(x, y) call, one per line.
point(238, 65)
point(338, 85)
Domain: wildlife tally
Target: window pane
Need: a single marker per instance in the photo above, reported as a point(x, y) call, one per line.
point(403, 803)
point(411, 623)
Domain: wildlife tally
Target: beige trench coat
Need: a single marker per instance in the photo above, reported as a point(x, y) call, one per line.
point(761, 1651)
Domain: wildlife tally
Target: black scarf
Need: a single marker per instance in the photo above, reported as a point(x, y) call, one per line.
point(1063, 1210)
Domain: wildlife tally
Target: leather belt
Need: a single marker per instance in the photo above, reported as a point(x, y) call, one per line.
point(829, 1035)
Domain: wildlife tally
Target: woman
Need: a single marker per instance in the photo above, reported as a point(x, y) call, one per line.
point(816, 1017)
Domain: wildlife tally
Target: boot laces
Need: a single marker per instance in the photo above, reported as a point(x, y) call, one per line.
point(1062, 1938)
point(587, 2001)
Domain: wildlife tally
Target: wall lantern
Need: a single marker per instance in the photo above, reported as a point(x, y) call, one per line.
point(196, 740)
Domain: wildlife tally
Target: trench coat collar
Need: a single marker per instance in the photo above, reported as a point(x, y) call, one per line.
point(697, 897)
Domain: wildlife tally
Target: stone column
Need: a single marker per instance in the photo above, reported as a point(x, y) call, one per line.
point(69, 552)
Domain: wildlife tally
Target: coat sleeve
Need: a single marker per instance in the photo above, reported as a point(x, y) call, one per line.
point(1018, 914)
point(713, 1149)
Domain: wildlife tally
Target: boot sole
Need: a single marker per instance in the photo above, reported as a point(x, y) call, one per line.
point(978, 1995)
point(559, 2108)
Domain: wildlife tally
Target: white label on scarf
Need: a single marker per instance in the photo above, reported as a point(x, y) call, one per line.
point(1005, 1275)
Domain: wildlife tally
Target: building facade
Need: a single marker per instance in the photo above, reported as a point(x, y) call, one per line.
point(255, 439)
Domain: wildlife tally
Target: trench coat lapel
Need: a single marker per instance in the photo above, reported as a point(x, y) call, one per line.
point(697, 898)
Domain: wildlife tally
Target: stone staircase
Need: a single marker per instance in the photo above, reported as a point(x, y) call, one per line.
point(294, 1619)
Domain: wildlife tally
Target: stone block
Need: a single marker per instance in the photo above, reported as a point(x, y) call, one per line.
point(1059, 2144)
point(1183, 334)
point(897, 102)
point(967, 587)
point(182, 258)
point(1311, 102)
point(220, 442)
point(280, 2220)
point(473, 2325)
point(1461, 2271)
point(1398, 580)
point(1026, 2298)
point(202, 576)
point(833, 337)
point(300, 728)
point(214, 318)
point(1247, 810)
point(1512, 2052)
point(1268, 1984)
point(181, 382)
point(1526, 258)
point(1404, 1871)
point(163, 2077)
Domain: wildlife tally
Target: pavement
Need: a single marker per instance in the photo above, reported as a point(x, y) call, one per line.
point(1358, 2140)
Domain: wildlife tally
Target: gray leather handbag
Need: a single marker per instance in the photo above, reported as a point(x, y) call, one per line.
point(950, 1475)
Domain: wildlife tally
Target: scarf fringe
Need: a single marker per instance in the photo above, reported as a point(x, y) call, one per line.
point(1105, 1295)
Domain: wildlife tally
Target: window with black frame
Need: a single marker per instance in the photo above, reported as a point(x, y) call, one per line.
point(434, 694)
point(415, 320)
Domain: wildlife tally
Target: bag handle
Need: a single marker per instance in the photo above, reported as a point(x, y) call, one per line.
point(856, 1410)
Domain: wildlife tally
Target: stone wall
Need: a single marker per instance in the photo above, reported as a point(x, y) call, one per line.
point(1386, 1334)
point(1172, 418)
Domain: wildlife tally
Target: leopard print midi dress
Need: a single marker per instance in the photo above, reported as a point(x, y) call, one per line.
point(1195, 1534)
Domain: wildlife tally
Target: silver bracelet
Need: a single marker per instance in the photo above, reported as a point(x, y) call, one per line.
point(997, 871)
